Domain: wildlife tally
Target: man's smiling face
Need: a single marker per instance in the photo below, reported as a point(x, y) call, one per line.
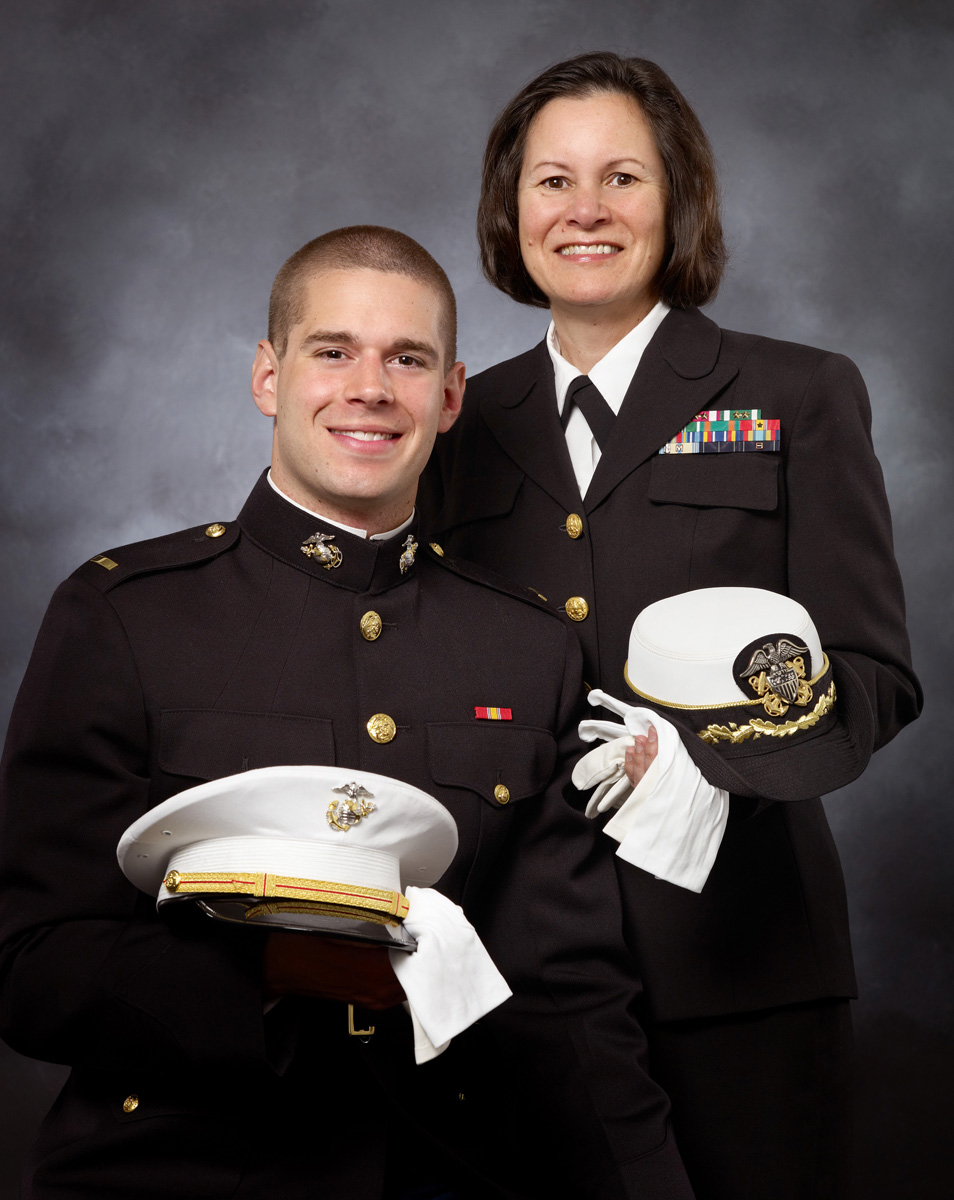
point(358, 396)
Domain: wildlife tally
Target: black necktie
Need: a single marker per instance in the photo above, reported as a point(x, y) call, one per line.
point(589, 400)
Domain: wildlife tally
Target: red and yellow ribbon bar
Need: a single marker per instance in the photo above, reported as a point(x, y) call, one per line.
point(493, 714)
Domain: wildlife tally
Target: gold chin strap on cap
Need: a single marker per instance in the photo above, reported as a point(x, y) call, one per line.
point(261, 884)
point(826, 666)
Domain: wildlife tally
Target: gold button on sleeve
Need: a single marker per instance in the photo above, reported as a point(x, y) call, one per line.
point(577, 609)
point(381, 728)
point(215, 530)
point(502, 793)
point(130, 1104)
point(574, 525)
point(371, 626)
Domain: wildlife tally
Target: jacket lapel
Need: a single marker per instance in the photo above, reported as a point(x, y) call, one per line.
point(523, 418)
point(679, 375)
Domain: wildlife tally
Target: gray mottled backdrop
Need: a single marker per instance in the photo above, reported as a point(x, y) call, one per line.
point(161, 158)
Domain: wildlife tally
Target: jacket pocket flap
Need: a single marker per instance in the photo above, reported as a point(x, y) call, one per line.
point(747, 480)
point(211, 743)
point(482, 758)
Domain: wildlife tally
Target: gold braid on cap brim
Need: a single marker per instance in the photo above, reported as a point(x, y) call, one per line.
point(261, 885)
point(759, 728)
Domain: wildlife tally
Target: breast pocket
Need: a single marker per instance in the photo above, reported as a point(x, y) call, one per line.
point(500, 762)
point(725, 517)
point(211, 743)
point(748, 480)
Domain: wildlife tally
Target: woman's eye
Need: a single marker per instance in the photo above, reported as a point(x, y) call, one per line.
point(621, 179)
point(555, 183)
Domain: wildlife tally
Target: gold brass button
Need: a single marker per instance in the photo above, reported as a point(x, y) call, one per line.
point(215, 530)
point(577, 609)
point(574, 525)
point(172, 880)
point(130, 1104)
point(502, 793)
point(381, 728)
point(437, 550)
point(370, 626)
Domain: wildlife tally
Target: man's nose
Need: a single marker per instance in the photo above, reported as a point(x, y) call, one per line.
point(370, 382)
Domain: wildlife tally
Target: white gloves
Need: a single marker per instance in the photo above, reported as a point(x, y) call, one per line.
point(672, 823)
point(450, 980)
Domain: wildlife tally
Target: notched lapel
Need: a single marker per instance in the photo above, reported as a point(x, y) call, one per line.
point(520, 411)
point(681, 372)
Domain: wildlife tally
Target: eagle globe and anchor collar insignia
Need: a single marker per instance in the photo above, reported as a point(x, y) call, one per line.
point(356, 805)
point(406, 560)
point(321, 546)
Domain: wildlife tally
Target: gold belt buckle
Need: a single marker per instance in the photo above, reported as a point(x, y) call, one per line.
point(352, 1032)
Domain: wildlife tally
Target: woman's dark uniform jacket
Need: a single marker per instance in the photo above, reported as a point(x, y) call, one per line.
point(811, 520)
point(209, 652)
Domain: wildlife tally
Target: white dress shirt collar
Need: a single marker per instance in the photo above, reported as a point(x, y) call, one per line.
point(615, 370)
point(361, 533)
point(612, 375)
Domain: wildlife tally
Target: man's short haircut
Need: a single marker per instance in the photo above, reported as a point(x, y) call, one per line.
point(352, 248)
point(697, 255)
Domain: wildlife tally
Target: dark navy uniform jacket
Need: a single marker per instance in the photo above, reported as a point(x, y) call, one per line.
point(209, 652)
point(809, 520)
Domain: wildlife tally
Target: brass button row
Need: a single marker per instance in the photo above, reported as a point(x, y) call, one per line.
point(576, 607)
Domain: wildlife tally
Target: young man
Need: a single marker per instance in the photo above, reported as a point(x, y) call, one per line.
point(315, 629)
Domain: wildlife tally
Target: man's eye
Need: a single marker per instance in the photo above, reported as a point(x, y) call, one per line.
point(333, 355)
point(407, 360)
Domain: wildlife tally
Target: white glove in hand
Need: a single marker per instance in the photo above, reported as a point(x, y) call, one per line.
point(450, 980)
point(672, 823)
point(604, 768)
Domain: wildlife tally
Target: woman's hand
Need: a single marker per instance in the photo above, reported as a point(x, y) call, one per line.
point(641, 755)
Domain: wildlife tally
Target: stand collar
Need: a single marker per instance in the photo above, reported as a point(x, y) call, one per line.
point(360, 565)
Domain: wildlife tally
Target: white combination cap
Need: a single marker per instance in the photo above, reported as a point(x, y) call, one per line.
point(304, 847)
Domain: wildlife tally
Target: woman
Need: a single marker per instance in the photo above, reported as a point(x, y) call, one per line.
point(600, 202)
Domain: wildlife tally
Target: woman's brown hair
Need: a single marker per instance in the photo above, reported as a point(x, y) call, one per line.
point(697, 254)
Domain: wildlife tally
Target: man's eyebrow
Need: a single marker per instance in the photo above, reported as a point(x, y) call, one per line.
point(341, 336)
point(411, 346)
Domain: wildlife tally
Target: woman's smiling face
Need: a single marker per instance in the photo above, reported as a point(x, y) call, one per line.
point(592, 207)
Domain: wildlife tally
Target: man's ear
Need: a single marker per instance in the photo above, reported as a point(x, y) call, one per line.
point(453, 397)
point(265, 378)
